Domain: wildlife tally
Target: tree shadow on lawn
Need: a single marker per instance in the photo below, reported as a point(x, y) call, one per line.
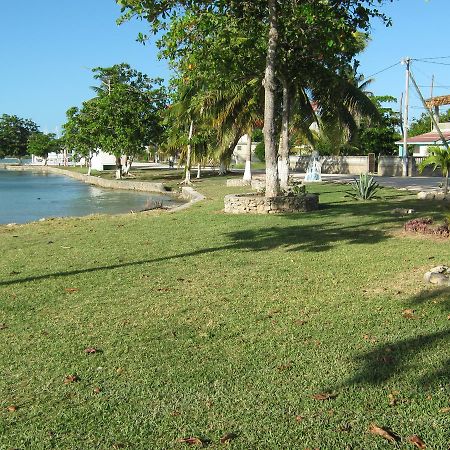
point(307, 238)
point(408, 355)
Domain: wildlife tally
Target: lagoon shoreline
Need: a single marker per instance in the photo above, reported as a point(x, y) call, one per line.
point(140, 186)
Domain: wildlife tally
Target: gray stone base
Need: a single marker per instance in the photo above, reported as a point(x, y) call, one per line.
point(235, 182)
point(432, 195)
point(439, 275)
point(258, 204)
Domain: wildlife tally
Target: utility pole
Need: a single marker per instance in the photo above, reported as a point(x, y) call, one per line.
point(430, 112)
point(407, 62)
point(431, 96)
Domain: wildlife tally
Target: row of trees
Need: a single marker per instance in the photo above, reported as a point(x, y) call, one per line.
point(21, 137)
point(241, 65)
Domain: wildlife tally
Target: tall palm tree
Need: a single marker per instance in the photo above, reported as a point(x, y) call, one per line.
point(234, 110)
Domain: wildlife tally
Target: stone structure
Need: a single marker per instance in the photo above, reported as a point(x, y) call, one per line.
point(432, 195)
point(237, 182)
point(254, 203)
point(439, 275)
point(256, 183)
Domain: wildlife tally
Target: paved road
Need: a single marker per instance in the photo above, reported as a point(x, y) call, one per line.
point(408, 183)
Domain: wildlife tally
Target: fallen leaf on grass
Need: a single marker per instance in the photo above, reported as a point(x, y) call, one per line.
point(3, 326)
point(301, 322)
point(90, 350)
point(71, 290)
point(286, 366)
point(299, 418)
point(444, 410)
point(65, 248)
point(408, 313)
point(386, 434)
point(227, 438)
point(97, 390)
point(163, 289)
point(71, 379)
point(175, 413)
point(117, 446)
point(119, 370)
point(191, 441)
point(392, 398)
point(12, 408)
point(415, 440)
point(324, 396)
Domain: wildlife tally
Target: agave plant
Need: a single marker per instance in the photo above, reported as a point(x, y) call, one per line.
point(365, 188)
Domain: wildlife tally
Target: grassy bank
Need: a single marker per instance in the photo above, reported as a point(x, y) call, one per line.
point(206, 324)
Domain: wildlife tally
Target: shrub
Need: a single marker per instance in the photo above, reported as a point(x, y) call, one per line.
point(260, 151)
point(423, 225)
point(365, 188)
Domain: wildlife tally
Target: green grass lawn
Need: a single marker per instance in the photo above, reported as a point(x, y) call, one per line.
point(208, 324)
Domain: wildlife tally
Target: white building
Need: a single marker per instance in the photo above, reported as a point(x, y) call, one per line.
point(422, 142)
point(240, 151)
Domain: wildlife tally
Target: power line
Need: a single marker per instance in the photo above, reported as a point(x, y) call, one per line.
point(432, 62)
point(425, 86)
point(382, 70)
point(428, 59)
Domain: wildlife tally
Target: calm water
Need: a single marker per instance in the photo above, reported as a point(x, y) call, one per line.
point(30, 196)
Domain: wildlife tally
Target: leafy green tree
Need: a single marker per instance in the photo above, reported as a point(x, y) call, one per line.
point(380, 138)
point(80, 132)
point(123, 119)
point(127, 112)
point(423, 123)
point(306, 31)
point(41, 144)
point(438, 158)
point(14, 135)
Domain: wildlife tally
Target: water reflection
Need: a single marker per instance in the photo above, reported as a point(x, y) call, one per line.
point(30, 196)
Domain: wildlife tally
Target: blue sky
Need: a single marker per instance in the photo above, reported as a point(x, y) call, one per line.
point(48, 46)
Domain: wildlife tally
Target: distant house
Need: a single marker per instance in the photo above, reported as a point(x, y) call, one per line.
point(240, 151)
point(422, 142)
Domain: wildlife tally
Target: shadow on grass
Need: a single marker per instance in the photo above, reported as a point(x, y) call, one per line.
point(307, 238)
point(408, 355)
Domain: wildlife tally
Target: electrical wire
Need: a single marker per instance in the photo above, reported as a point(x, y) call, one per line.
point(428, 59)
point(381, 71)
point(432, 62)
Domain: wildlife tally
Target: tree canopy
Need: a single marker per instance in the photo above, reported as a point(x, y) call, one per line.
point(41, 144)
point(14, 135)
point(298, 48)
point(124, 117)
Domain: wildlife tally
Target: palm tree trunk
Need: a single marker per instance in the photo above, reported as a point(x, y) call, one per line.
point(248, 159)
point(283, 153)
point(199, 171)
point(446, 183)
point(187, 169)
point(272, 184)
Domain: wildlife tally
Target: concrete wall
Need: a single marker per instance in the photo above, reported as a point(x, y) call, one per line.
point(353, 165)
point(392, 166)
point(142, 186)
